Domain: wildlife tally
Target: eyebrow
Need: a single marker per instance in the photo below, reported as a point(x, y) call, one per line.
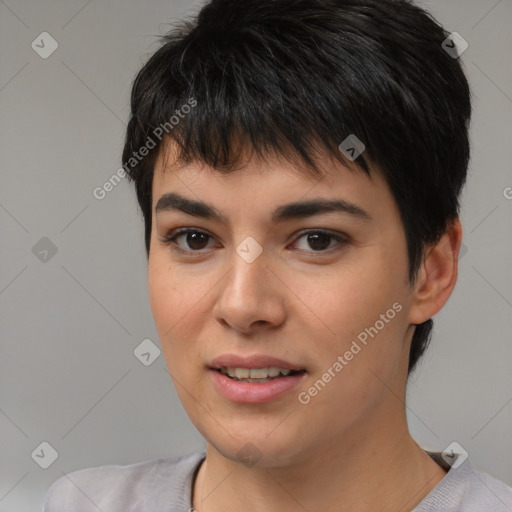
point(300, 209)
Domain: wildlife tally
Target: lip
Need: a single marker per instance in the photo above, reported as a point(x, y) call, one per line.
point(254, 361)
point(254, 392)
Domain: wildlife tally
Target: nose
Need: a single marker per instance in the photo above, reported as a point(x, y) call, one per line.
point(251, 296)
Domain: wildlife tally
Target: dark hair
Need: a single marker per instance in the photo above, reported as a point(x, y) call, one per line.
point(296, 78)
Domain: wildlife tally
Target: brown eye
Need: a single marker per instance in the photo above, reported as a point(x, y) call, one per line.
point(195, 240)
point(320, 241)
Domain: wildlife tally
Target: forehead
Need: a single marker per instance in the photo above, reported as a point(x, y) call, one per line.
point(328, 167)
point(266, 183)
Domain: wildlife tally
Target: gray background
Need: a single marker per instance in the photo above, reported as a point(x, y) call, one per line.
point(69, 325)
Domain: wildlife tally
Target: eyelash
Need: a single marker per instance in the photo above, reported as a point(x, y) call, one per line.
point(171, 237)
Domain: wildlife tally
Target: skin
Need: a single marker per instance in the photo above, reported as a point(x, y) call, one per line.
point(349, 448)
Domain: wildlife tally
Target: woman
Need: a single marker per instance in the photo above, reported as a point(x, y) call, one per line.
point(298, 164)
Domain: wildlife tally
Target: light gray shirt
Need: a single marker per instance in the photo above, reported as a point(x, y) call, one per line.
point(165, 485)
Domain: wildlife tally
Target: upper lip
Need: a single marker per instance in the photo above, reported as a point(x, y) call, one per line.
point(254, 361)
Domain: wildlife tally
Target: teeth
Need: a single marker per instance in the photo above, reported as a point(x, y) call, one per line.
point(258, 373)
point(273, 372)
point(241, 373)
point(254, 373)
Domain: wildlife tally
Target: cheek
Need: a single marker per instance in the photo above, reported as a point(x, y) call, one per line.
point(170, 302)
point(162, 296)
point(353, 299)
point(362, 310)
point(356, 367)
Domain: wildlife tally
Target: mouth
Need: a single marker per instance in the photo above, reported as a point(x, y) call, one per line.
point(256, 378)
point(255, 375)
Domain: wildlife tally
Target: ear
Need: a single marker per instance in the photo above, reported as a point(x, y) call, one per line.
point(437, 275)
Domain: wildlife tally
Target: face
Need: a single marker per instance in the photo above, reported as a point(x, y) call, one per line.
point(320, 291)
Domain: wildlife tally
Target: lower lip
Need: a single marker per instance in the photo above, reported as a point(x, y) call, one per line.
point(255, 392)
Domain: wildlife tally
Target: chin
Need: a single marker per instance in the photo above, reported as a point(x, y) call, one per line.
point(253, 447)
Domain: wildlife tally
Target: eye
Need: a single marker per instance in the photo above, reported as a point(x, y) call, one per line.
point(319, 240)
point(194, 238)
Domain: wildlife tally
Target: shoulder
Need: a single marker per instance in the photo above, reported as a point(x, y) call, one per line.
point(488, 493)
point(465, 489)
point(160, 483)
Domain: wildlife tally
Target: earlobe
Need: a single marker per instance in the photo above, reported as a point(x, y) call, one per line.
point(437, 275)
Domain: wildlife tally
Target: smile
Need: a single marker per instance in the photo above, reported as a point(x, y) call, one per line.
point(256, 374)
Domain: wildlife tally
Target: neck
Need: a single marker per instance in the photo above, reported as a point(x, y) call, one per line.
point(380, 466)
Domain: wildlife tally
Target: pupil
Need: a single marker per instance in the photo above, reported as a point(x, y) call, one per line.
point(192, 238)
point(315, 238)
